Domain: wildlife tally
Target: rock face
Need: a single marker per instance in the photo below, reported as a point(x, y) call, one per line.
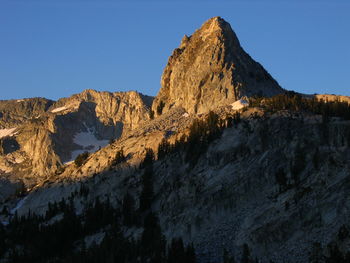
point(37, 136)
point(17, 112)
point(130, 108)
point(332, 97)
point(210, 69)
point(234, 193)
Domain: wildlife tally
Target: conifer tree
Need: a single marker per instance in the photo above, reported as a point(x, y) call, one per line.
point(128, 210)
point(146, 196)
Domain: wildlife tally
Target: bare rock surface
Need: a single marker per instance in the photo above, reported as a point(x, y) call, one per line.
point(211, 69)
point(38, 136)
point(332, 97)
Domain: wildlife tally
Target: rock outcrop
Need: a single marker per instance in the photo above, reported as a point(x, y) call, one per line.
point(17, 112)
point(332, 97)
point(131, 108)
point(211, 69)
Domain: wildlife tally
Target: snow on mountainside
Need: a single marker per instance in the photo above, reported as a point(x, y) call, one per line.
point(49, 134)
point(88, 142)
point(7, 132)
point(239, 104)
point(58, 109)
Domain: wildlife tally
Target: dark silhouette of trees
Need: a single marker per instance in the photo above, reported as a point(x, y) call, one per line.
point(164, 148)
point(153, 242)
point(281, 178)
point(296, 102)
point(227, 258)
point(81, 158)
point(146, 196)
point(160, 107)
point(119, 158)
point(246, 258)
point(30, 239)
point(149, 158)
point(298, 164)
point(201, 133)
point(128, 210)
point(177, 252)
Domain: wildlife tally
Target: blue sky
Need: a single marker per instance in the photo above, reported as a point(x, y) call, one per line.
point(57, 48)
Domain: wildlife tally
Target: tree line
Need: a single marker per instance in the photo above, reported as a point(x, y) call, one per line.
point(296, 102)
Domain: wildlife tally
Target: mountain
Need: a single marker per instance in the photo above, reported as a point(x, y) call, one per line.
point(211, 69)
point(38, 136)
point(231, 163)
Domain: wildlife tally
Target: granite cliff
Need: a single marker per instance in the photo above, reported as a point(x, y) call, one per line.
point(211, 69)
point(38, 136)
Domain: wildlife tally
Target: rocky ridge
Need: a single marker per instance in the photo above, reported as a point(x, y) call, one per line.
point(56, 132)
point(232, 195)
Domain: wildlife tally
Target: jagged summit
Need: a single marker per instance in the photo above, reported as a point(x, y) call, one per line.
point(211, 69)
point(216, 26)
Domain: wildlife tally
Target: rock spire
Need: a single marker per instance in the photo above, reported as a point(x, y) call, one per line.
point(211, 69)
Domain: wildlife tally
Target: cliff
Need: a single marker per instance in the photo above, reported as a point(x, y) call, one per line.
point(211, 69)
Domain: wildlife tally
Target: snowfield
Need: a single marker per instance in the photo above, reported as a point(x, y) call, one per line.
point(239, 104)
point(73, 106)
point(89, 142)
point(59, 109)
point(19, 205)
point(7, 132)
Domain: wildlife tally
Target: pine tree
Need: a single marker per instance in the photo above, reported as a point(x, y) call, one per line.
point(227, 258)
point(176, 251)
point(190, 255)
point(164, 148)
point(119, 158)
point(246, 254)
point(128, 210)
point(146, 196)
point(152, 240)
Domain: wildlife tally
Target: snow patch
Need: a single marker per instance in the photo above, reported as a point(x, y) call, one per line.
point(59, 109)
point(69, 162)
point(19, 205)
point(5, 223)
point(7, 132)
point(72, 106)
point(88, 142)
point(239, 104)
point(94, 239)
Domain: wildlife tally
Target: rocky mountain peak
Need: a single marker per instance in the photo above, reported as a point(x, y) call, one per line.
point(211, 69)
point(215, 26)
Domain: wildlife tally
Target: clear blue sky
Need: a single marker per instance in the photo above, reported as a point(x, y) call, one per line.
point(56, 48)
